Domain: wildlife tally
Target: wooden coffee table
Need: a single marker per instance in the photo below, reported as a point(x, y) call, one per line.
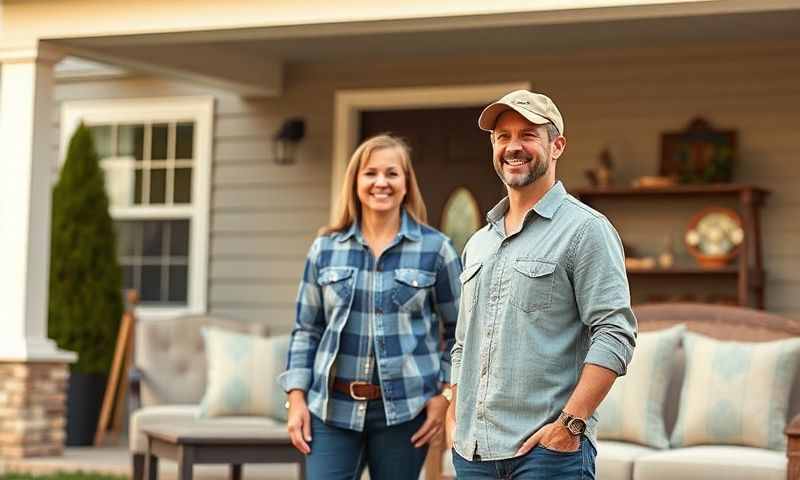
point(191, 445)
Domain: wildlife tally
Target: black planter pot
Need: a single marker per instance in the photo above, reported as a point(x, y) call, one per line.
point(84, 399)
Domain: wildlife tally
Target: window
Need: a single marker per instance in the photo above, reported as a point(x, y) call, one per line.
point(150, 164)
point(156, 158)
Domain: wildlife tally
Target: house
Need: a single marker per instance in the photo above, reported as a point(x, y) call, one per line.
point(186, 99)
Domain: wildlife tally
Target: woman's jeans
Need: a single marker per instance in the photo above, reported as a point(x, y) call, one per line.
point(341, 454)
point(538, 464)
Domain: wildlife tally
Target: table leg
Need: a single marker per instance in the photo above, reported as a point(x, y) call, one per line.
point(137, 466)
point(151, 466)
point(236, 471)
point(185, 463)
point(150, 461)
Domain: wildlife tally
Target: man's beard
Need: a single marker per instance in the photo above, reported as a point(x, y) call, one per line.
point(520, 180)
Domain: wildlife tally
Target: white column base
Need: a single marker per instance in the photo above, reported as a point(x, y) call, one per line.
point(34, 349)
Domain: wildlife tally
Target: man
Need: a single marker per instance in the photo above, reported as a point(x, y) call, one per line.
point(545, 324)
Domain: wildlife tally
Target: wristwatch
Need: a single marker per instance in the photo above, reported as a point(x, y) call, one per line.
point(447, 393)
point(575, 425)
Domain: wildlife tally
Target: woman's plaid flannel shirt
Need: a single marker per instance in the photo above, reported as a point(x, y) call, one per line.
point(400, 310)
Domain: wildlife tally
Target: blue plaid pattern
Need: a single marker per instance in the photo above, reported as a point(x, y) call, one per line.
point(359, 318)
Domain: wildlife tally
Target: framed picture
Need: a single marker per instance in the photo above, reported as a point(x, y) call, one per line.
point(700, 154)
point(461, 217)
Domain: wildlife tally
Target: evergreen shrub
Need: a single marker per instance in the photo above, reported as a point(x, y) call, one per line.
point(85, 304)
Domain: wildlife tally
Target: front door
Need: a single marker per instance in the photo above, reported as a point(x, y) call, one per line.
point(448, 151)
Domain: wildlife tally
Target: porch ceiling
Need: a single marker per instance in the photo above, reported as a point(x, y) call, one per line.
point(250, 62)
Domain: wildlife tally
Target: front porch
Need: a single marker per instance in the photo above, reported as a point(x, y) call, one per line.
point(623, 77)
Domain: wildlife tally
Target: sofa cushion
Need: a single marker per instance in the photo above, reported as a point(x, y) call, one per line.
point(673, 396)
point(242, 375)
point(633, 411)
point(735, 393)
point(170, 354)
point(186, 414)
point(615, 459)
point(711, 463)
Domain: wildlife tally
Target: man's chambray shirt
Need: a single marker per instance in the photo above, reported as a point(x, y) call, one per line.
point(354, 312)
point(536, 306)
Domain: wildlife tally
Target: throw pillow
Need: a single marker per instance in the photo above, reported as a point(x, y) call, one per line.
point(735, 393)
point(242, 373)
point(633, 411)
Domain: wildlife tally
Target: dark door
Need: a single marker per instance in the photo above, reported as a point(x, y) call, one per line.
point(448, 151)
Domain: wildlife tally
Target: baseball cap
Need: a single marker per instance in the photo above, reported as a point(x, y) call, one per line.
point(537, 108)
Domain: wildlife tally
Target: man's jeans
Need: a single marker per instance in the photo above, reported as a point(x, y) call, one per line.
point(341, 454)
point(538, 464)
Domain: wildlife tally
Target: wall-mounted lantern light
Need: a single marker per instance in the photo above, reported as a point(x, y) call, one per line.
point(286, 139)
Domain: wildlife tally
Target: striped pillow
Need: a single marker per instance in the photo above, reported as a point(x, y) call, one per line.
point(633, 411)
point(242, 373)
point(735, 393)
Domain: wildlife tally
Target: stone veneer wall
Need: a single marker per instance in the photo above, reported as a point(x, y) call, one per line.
point(32, 409)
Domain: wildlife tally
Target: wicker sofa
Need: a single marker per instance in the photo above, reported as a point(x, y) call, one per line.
point(618, 460)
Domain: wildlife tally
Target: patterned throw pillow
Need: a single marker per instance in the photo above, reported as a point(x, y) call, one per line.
point(242, 373)
point(735, 393)
point(633, 411)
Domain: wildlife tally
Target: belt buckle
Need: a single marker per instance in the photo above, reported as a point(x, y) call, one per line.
point(353, 394)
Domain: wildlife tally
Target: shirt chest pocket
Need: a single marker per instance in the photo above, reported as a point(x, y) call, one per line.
point(411, 288)
point(337, 284)
point(533, 282)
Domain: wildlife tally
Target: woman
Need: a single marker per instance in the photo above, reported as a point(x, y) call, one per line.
point(368, 373)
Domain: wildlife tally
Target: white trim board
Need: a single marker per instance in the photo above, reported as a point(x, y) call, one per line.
point(200, 109)
point(348, 105)
point(75, 69)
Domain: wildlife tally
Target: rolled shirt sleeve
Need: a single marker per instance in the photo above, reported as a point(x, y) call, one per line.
point(603, 296)
point(308, 328)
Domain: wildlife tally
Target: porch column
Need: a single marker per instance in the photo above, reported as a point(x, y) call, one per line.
point(33, 371)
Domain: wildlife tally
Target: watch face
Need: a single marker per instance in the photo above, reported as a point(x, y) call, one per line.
point(447, 393)
point(576, 426)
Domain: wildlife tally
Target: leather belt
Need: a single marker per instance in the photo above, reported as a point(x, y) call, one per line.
point(358, 390)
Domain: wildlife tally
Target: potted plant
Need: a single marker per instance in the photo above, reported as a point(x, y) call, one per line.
point(85, 303)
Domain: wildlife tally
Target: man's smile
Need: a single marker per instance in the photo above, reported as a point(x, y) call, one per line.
point(516, 162)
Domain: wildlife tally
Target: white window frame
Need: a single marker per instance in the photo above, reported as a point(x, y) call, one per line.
point(200, 109)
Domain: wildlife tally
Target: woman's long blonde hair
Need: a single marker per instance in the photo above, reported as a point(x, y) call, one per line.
point(349, 206)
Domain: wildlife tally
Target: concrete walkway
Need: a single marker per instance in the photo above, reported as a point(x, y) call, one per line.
point(116, 461)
